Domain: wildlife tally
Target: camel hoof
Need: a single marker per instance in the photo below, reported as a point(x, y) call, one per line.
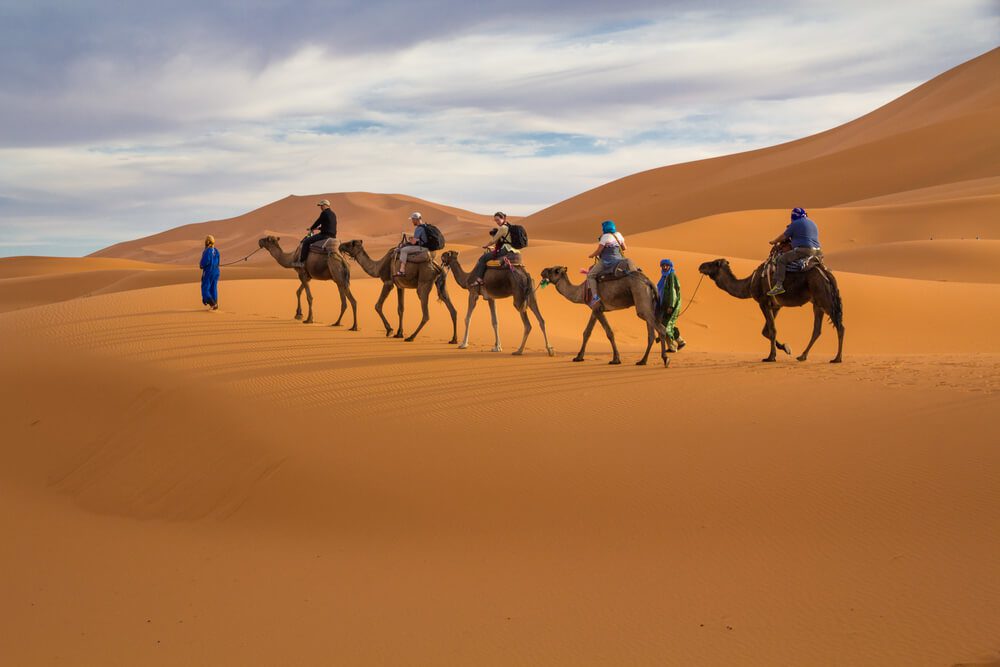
point(666, 362)
point(769, 360)
point(577, 358)
point(496, 349)
point(551, 351)
point(517, 353)
point(298, 316)
point(615, 362)
point(641, 362)
point(354, 328)
point(336, 324)
point(409, 339)
point(836, 361)
point(801, 357)
point(399, 335)
point(463, 346)
point(307, 322)
point(453, 341)
point(787, 350)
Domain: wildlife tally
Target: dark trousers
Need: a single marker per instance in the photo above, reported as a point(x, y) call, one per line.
point(784, 259)
point(308, 241)
point(479, 270)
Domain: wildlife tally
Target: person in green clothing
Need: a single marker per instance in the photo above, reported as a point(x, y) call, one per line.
point(669, 292)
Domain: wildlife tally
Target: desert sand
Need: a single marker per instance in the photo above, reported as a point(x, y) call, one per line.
point(233, 487)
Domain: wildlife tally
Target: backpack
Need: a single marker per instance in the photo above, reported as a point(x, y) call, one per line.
point(435, 239)
point(517, 236)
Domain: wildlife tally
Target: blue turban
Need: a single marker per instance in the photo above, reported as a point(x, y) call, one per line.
point(668, 264)
point(608, 227)
point(798, 213)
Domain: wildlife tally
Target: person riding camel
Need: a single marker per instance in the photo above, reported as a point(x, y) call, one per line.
point(498, 248)
point(804, 237)
point(668, 289)
point(326, 223)
point(415, 244)
point(608, 253)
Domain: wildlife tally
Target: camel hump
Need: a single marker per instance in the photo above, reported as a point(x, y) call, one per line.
point(623, 269)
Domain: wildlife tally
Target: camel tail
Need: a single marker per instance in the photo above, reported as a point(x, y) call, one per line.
point(837, 312)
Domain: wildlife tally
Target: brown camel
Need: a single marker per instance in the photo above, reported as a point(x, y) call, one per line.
point(817, 285)
point(499, 283)
point(421, 276)
point(632, 291)
point(318, 266)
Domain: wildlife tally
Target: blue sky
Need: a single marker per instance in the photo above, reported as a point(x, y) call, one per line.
point(118, 120)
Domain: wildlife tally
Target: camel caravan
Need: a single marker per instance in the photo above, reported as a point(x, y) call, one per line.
point(793, 275)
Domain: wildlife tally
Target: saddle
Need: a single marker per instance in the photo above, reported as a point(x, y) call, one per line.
point(622, 269)
point(799, 265)
point(505, 262)
point(415, 258)
point(325, 247)
point(413, 264)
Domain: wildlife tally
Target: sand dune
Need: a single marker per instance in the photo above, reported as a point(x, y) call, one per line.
point(235, 487)
point(363, 215)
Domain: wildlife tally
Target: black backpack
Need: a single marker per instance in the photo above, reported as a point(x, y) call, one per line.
point(435, 239)
point(518, 236)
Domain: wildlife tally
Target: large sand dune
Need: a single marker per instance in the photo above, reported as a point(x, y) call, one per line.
point(233, 487)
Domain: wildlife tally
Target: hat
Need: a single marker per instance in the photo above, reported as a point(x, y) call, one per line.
point(500, 214)
point(416, 216)
point(323, 202)
point(798, 213)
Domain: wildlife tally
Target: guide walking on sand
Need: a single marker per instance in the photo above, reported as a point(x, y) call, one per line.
point(210, 274)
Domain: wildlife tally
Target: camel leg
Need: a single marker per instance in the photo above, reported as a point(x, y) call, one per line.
point(354, 308)
point(309, 300)
point(616, 359)
point(523, 312)
point(496, 327)
point(662, 335)
point(770, 331)
point(424, 292)
point(473, 298)
point(840, 344)
point(343, 305)
point(442, 287)
point(298, 300)
point(817, 330)
point(586, 336)
point(541, 323)
point(777, 343)
point(400, 293)
point(386, 288)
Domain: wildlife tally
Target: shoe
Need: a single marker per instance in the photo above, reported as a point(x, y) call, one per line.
point(595, 302)
point(215, 306)
point(776, 290)
point(681, 343)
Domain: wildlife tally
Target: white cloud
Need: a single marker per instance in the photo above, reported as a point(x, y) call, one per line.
point(518, 118)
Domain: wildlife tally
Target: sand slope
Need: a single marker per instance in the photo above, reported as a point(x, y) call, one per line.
point(364, 215)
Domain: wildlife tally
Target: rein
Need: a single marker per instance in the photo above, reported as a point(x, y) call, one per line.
point(693, 295)
point(244, 258)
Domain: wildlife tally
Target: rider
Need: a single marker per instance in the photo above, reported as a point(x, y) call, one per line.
point(499, 247)
point(413, 245)
point(804, 236)
point(326, 223)
point(668, 289)
point(609, 253)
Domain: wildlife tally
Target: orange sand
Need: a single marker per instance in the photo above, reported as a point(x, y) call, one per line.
point(186, 487)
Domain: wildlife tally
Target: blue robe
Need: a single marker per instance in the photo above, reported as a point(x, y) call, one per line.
point(210, 276)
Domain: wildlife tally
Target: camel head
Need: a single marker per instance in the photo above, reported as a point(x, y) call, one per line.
point(715, 268)
point(352, 248)
point(554, 274)
point(448, 257)
point(269, 242)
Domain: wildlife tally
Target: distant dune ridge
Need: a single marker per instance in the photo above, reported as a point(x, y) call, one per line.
point(233, 487)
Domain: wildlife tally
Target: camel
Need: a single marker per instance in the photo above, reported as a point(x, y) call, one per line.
point(632, 291)
point(421, 276)
point(499, 284)
point(817, 285)
point(319, 267)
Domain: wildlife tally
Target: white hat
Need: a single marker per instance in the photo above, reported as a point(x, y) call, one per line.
point(416, 216)
point(323, 202)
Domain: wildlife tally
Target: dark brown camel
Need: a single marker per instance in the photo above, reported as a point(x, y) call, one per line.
point(421, 276)
point(318, 266)
point(633, 291)
point(502, 283)
point(817, 285)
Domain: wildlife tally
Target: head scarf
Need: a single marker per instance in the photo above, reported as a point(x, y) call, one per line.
point(798, 213)
point(664, 276)
point(608, 227)
point(209, 241)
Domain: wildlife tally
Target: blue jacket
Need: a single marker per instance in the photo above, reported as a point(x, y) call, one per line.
point(210, 260)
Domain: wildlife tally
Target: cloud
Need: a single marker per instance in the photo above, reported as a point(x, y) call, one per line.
point(143, 118)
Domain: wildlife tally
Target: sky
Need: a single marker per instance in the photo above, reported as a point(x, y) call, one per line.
point(119, 119)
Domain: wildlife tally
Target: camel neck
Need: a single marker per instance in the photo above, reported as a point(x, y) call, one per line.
point(370, 266)
point(737, 287)
point(461, 277)
point(572, 292)
point(280, 256)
